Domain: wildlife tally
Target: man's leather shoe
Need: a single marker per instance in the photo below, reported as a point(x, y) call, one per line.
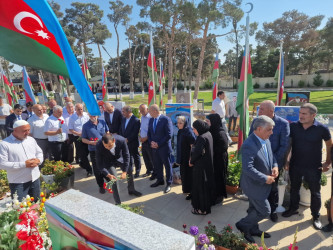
point(167, 189)
point(289, 213)
point(101, 190)
point(328, 228)
point(153, 177)
point(247, 235)
point(136, 193)
point(146, 174)
point(157, 183)
point(89, 174)
point(274, 217)
point(136, 175)
point(259, 233)
point(317, 224)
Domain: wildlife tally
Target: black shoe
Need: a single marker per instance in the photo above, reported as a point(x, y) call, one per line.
point(157, 183)
point(135, 193)
point(89, 174)
point(101, 190)
point(118, 204)
point(136, 175)
point(274, 217)
point(167, 189)
point(328, 228)
point(317, 224)
point(247, 235)
point(146, 174)
point(289, 213)
point(259, 233)
point(188, 197)
point(153, 177)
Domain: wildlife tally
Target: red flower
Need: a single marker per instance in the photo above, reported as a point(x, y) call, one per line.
point(91, 139)
point(104, 185)
point(110, 191)
point(22, 235)
point(209, 222)
point(184, 226)
point(96, 139)
point(185, 231)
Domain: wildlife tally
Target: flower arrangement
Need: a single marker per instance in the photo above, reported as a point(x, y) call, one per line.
point(93, 139)
point(4, 186)
point(202, 241)
point(234, 170)
point(60, 169)
point(108, 185)
point(327, 204)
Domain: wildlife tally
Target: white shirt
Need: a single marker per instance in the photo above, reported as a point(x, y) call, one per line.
point(76, 122)
point(219, 107)
point(67, 116)
point(14, 153)
point(144, 125)
point(113, 152)
point(37, 126)
point(53, 124)
point(4, 110)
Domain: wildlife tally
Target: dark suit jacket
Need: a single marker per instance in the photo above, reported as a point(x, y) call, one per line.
point(131, 133)
point(105, 159)
point(10, 122)
point(255, 168)
point(114, 127)
point(162, 134)
point(26, 112)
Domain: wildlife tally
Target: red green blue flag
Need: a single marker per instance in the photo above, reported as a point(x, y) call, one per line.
point(104, 85)
point(29, 95)
point(215, 76)
point(7, 88)
point(280, 70)
point(43, 87)
point(31, 35)
point(153, 79)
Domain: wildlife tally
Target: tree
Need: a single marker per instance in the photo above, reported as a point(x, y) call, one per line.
point(119, 15)
point(326, 47)
point(290, 28)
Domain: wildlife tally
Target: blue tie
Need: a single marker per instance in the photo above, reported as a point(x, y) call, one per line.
point(19, 117)
point(155, 123)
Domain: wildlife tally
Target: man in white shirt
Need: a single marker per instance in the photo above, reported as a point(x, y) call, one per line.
point(5, 110)
point(76, 122)
point(218, 107)
point(37, 122)
point(20, 156)
point(55, 128)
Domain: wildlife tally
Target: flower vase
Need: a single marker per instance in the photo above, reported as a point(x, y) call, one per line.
point(305, 197)
point(48, 179)
point(231, 189)
point(221, 248)
point(281, 190)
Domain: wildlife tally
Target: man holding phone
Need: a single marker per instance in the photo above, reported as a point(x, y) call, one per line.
point(306, 138)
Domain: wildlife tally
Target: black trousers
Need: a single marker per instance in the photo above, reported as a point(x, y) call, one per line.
point(135, 156)
point(232, 119)
point(82, 153)
point(147, 156)
point(68, 151)
point(56, 150)
point(3, 132)
point(312, 177)
point(44, 145)
point(97, 171)
point(130, 182)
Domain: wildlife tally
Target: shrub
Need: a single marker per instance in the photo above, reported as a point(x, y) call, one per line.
point(301, 84)
point(234, 170)
point(256, 85)
point(329, 83)
point(192, 88)
point(267, 85)
point(323, 181)
point(317, 80)
point(180, 86)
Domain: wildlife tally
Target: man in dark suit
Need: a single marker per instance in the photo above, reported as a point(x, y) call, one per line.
point(113, 118)
point(159, 137)
point(259, 170)
point(28, 111)
point(112, 152)
point(17, 115)
point(129, 129)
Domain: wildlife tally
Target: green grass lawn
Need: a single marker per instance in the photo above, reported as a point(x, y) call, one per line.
point(322, 99)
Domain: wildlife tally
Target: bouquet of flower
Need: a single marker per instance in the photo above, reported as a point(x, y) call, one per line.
point(201, 240)
point(108, 185)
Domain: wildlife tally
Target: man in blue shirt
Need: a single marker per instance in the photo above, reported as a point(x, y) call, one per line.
point(279, 143)
point(92, 132)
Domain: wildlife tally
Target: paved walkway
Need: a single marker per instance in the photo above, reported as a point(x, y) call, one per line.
point(173, 210)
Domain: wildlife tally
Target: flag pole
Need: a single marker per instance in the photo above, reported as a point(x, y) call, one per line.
point(152, 63)
point(83, 61)
point(247, 53)
point(3, 82)
point(279, 76)
point(161, 93)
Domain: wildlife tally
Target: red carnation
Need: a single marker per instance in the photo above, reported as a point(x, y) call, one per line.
point(96, 139)
point(91, 139)
point(209, 222)
point(184, 226)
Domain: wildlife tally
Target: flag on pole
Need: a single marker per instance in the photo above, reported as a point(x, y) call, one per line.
point(14, 94)
point(244, 114)
point(29, 95)
point(279, 77)
point(104, 85)
point(43, 87)
point(31, 35)
point(63, 86)
point(162, 83)
point(7, 88)
point(215, 76)
point(153, 79)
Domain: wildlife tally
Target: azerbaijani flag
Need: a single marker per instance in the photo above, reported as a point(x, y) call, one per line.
point(14, 94)
point(280, 70)
point(104, 84)
point(153, 79)
point(215, 76)
point(7, 88)
point(29, 95)
point(63, 86)
point(244, 114)
point(31, 35)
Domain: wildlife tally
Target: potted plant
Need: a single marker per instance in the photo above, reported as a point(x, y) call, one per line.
point(4, 186)
point(281, 190)
point(47, 171)
point(64, 174)
point(234, 136)
point(233, 173)
point(305, 194)
point(328, 207)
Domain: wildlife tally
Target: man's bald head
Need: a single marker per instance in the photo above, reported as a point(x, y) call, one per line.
point(109, 107)
point(267, 108)
point(38, 110)
point(154, 111)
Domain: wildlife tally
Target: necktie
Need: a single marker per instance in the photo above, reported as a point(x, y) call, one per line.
point(155, 123)
point(19, 117)
point(266, 153)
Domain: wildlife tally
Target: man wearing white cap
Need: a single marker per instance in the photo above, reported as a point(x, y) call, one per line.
point(20, 156)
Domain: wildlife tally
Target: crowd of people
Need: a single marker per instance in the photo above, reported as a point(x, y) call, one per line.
point(112, 141)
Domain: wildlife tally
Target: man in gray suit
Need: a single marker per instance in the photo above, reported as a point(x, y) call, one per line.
point(259, 170)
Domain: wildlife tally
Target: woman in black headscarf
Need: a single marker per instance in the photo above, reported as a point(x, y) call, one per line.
point(203, 170)
point(220, 145)
point(185, 138)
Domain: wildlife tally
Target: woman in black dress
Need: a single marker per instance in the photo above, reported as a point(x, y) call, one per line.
point(203, 170)
point(220, 145)
point(185, 138)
